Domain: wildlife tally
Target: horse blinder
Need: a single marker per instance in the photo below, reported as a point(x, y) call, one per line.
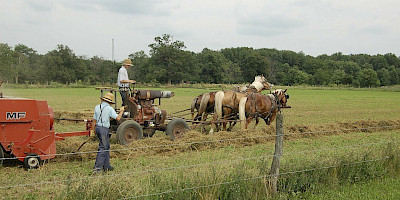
point(287, 96)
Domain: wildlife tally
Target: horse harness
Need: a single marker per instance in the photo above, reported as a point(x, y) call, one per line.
point(275, 103)
point(250, 90)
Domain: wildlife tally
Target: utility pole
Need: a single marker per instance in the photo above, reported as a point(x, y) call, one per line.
point(112, 56)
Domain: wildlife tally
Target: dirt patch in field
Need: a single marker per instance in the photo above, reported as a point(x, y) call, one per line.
point(193, 140)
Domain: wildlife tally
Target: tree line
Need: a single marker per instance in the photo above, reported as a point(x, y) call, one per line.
point(169, 63)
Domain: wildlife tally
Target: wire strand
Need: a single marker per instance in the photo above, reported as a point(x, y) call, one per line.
point(197, 165)
point(253, 178)
point(209, 141)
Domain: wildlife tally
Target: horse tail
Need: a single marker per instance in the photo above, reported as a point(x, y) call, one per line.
point(242, 112)
point(193, 106)
point(204, 103)
point(219, 96)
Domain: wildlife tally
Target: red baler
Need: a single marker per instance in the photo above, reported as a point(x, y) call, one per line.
point(27, 131)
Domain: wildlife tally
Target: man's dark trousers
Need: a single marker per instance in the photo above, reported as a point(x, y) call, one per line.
point(103, 154)
point(124, 97)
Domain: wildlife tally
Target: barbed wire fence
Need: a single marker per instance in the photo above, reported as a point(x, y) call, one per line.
point(218, 141)
point(227, 161)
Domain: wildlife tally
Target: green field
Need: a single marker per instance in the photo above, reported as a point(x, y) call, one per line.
point(228, 166)
point(310, 106)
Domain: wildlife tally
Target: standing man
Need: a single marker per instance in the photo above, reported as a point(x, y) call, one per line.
point(123, 80)
point(101, 118)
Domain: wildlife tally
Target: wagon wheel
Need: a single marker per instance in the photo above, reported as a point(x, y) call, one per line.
point(32, 161)
point(1, 156)
point(176, 128)
point(129, 131)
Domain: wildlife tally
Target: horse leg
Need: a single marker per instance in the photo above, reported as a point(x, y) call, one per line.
point(213, 123)
point(257, 120)
point(203, 120)
point(272, 118)
point(231, 125)
point(248, 121)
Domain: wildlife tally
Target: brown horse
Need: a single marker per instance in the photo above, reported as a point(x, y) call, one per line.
point(227, 102)
point(204, 104)
point(265, 106)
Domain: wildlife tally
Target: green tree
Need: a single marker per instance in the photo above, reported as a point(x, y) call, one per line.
point(339, 76)
point(6, 60)
point(392, 59)
point(23, 67)
point(254, 64)
point(140, 66)
point(384, 76)
point(321, 77)
point(351, 69)
point(295, 77)
point(378, 62)
point(394, 76)
point(214, 66)
point(62, 65)
point(168, 63)
point(368, 78)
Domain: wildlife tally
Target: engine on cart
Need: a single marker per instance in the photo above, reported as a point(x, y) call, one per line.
point(143, 110)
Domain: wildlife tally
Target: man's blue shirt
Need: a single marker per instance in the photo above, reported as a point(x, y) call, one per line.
point(106, 112)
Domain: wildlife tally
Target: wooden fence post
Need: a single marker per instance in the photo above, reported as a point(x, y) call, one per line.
point(274, 173)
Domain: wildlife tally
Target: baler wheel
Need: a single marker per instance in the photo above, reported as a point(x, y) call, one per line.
point(1, 156)
point(129, 131)
point(32, 161)
point(176, 128)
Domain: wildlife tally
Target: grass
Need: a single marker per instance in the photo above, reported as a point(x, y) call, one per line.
point(309, 106)
point(185, 166)
point(380, 188)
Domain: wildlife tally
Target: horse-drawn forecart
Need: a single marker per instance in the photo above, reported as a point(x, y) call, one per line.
point(143, 118)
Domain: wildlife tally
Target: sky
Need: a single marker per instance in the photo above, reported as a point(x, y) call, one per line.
point(314, 27)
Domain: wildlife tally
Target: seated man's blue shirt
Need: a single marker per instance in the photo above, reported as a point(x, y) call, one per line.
point(106, 112)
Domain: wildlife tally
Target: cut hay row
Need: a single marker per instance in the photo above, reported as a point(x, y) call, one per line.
point(193, 140)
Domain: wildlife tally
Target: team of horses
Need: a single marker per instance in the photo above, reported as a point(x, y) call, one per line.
point(244, 102)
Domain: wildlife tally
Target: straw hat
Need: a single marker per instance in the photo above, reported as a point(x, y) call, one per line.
point(109, 98)
point(127, 62)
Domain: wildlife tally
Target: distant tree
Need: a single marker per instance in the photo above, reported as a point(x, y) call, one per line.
point(378, 62)
point(339, 77)
point(311, 65)
point(384, 76)
point(367, 66)
point(140, 68)
point(368, 78)
point(394, 76)
point(321, 77)
point(277, 73)
point(294, 77)
point(254, 64)
point(214, 66)
point(6, 60)
point(62, 65)
point(168, 63)
point(392, 60)
point(101, 71)
point(360, 59)
point(19, 63)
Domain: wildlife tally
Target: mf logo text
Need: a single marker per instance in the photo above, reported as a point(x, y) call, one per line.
point(15, 115)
